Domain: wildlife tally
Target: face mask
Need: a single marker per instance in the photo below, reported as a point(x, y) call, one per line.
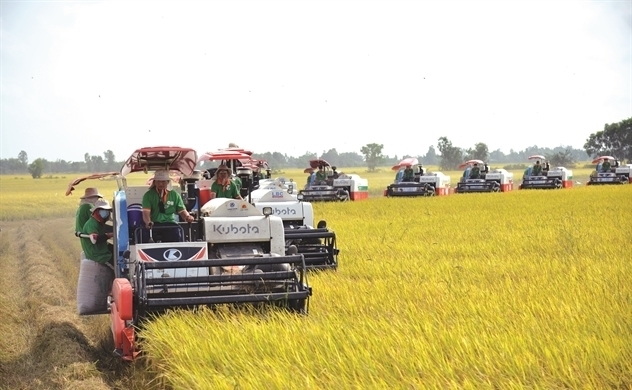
point(105, 214)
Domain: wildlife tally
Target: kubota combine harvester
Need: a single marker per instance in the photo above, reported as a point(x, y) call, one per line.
point(232, 253)
point(541, 176)
point(326, 184)
point(316, 244)
point(419, 182)
point(610, 170)
point(478, 178)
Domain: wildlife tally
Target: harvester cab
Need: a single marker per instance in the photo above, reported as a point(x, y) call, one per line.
point(239, 161)
point(609, 170)
point(478, 178)
point(417, 182)
point(541, 176)
point(232, 253)
point(316, 244)
point(330, 185)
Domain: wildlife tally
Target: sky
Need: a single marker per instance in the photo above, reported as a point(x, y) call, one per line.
point(309, 76)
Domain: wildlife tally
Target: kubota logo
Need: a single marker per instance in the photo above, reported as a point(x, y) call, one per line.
point(232, 229)
point(172, 255)
point(285, 211)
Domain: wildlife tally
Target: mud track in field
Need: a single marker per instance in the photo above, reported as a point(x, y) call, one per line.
point(44, 344)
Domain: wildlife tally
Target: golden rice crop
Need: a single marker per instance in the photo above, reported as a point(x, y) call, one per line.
point(508, 290)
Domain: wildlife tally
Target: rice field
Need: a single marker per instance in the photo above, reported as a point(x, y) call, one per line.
point(515, 290)
point(526, 289)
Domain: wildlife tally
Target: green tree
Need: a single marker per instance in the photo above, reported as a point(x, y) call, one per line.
point(331, 157)
point(23, 158)
point(451, 156)
point(479, 152)
point(562, 158)
point(36, 168)
point(372, 155)
point(430, 157)
point(615, 139)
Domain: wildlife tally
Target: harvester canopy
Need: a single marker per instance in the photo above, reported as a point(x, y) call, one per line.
point(471, 162)
point(537, 157)
point(601, 158)
point(100, 176)
point(309, 170)
point(407, 162)
point(225, 155)
point(170, 158)
point(318, 163)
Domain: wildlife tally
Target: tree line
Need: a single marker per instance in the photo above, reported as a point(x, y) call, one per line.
point(615, 139)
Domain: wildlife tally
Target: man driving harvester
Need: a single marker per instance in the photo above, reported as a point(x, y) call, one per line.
point(159, 206)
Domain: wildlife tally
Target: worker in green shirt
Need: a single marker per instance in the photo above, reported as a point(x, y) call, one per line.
point(223, 187)
point(409, 174)
point(605, 166)
point(537, 169)
point(85, 208)
point(160, 204)
point(321, 176)
point(95, 247)
point(475, 173)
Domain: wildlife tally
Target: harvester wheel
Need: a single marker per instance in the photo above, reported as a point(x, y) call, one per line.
point(343, 195)
point(496, 187)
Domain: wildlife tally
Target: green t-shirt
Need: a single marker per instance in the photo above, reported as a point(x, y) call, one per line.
point(98, 252)
point(231, 192)
point(605, 166)
point(173, 204)
point(475, 173)
point(537, 169)
point(320, 176)
point(83, 215)
point(408, 173)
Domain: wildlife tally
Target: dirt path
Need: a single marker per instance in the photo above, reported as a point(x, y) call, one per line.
point(44, 343)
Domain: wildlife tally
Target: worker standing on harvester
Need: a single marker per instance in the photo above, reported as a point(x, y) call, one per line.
point(84, 212)
point(605, 166)
point(95, 246)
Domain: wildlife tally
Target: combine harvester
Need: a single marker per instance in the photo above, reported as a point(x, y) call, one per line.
point(335, 187)
point(498, 180)
point(421, 184)
point(613, 173)
point(245, 171)
point(317, 245)
point(556, 178)
point(232, 254)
